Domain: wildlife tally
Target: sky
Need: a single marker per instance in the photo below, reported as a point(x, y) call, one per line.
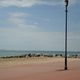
point(39, 25)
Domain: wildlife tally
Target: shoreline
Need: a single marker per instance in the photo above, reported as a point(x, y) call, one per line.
point(41, 55)
point(32, 60)
point(24, 53)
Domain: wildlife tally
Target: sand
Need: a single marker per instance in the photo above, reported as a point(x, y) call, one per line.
point(39, 69)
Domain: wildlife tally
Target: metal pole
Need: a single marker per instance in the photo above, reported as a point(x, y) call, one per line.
point(66, 11)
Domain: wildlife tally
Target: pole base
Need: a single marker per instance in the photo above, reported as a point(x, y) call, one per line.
point(66, 68)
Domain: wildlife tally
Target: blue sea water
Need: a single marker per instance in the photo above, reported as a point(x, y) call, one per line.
point(11, 53)
point(16, 53)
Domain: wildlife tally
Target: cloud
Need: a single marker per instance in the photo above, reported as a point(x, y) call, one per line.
point(25, 3)
point(18, 15)
point(30, 3)
point(18, 20)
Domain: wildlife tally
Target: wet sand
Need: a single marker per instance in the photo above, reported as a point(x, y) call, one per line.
point(39, 69)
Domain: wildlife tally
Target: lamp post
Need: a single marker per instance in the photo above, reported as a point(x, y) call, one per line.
point(66, 11)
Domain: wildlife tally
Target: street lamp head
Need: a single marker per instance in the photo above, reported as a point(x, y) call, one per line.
point(66, 2)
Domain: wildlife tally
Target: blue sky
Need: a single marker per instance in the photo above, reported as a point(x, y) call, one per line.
point(38, 25)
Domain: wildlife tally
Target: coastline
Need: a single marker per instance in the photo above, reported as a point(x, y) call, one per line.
point(11, 62)
point(17, 53)
point(29, 60)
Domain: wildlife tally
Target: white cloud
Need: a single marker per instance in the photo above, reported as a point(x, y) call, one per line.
point(30, 3)
point(18, 19)
point(18, 15)
point(19, 3)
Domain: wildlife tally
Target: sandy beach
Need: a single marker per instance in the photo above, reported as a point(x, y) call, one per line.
point(39, 69)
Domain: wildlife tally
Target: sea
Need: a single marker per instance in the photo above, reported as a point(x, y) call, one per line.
point(4, 53)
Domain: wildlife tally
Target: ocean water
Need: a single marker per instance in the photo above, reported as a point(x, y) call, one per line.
point(16, 53)
point(11, 53)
